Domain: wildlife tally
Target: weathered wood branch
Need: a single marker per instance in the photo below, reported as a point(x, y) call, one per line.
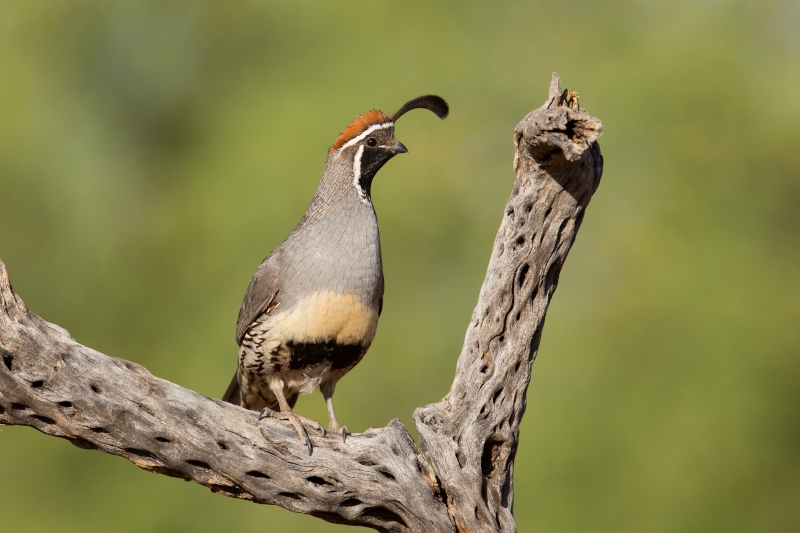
point(379, 478)
point(471, 435)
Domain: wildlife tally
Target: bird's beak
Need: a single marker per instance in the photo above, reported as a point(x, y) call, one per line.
point(396, 147)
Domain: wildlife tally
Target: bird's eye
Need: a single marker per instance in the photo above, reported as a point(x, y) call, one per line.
point(372, 142)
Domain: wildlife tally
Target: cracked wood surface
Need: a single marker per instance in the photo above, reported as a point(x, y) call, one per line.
point(380, 478)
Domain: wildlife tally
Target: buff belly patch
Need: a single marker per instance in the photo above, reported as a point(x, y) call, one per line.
point(324, 317)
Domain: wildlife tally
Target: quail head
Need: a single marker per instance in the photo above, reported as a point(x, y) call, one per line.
point(312, 307)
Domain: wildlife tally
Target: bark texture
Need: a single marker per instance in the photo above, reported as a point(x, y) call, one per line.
point(380, 478)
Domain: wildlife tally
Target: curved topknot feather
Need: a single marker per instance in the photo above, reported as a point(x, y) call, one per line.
point(361, 123)
point(431, 102)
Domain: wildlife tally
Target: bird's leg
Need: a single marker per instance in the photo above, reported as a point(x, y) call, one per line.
point(266, 412)
point(333, 426)
point(276, 386)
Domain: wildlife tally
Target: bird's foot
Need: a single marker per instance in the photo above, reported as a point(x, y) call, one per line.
point(298, 421)
point(333, 429)
point(269, 413)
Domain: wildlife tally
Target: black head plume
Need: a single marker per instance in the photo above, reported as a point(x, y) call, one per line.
point(431, 102)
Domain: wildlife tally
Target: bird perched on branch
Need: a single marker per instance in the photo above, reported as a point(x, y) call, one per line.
point(312, 307)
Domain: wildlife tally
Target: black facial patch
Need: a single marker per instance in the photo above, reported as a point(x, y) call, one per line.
point(305, 355)
point(371, 162)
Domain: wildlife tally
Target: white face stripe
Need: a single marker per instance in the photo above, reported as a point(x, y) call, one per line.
point(357, 174)
point(364, 134)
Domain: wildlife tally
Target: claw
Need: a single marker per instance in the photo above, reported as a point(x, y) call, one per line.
point(344, 433)
point(321, 429)
point(302, 434)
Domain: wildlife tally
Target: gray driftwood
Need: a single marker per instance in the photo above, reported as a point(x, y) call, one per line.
point(380, 478)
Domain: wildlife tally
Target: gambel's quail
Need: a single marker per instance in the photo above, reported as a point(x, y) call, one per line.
point(311, 310)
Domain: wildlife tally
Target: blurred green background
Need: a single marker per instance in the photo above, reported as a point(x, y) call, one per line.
point(152, 153)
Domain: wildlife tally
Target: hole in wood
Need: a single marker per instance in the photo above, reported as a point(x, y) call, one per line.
point(65, 404)
point(162, 439)
point(2, 409)
point(8, 360)
point(351, 502)
point(199, 464)
point(44, 419)
point(140, 453)
point(291, 495)
point(96, 389)
point(37, 384)
point(19, 406)
point(99, 430)
point(570, 128)
point(316, 480)
point(490, 457)
point(387, 475)
point(82, 443)
point(553, 272)
point(256, 473)
point(523, 274)
point(496, 395)
point(384, 515)
point(222, 445)
point(226, 490)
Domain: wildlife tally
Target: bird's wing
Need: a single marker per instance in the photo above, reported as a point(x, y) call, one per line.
point(261, 293)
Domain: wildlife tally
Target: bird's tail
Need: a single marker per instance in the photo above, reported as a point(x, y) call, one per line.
point(233, 394)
